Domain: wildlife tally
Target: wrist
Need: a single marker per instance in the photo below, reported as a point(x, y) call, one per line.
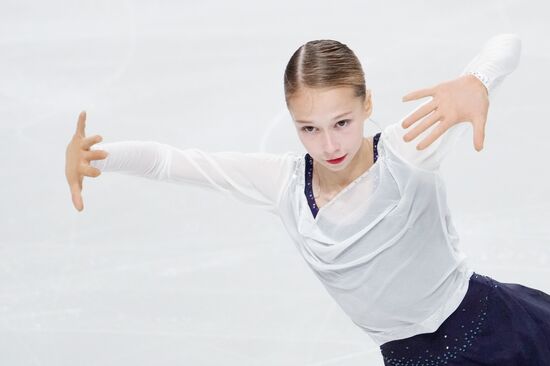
point(478, 79)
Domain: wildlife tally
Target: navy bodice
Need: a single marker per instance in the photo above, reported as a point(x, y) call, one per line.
point(309, 173)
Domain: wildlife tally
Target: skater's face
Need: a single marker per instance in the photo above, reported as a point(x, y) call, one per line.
point(330, 122)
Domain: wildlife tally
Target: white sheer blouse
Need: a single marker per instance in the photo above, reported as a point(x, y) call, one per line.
point(384, 247)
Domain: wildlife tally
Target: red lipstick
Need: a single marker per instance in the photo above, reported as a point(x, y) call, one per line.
point(337, 161)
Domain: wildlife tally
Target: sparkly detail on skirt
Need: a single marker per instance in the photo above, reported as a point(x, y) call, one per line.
point(495, 324)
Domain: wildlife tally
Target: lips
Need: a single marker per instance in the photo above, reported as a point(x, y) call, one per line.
point(338, 160)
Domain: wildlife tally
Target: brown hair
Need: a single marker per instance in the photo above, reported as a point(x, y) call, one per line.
point(323, 63)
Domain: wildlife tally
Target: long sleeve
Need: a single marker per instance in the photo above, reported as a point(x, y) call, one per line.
point(499, 57)
point(254, 178)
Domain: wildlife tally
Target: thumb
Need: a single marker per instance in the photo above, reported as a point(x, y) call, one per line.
point(76, 197)
point(479, 134)
point(417, 94)
point(81, 124)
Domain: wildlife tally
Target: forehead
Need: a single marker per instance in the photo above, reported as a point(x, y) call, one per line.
point(314, 104)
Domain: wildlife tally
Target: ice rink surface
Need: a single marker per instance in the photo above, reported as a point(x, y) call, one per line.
point(152, 273)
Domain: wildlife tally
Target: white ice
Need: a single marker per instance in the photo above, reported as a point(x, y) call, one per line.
point(116, 284)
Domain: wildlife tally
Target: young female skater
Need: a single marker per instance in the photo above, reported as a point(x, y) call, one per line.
point(368, 215)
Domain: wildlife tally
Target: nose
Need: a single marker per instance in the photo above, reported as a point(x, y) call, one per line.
point(330, 145)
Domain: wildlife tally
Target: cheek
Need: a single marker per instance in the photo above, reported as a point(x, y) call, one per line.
point(307, 142)
point(351, 138)
point(304, 140)
point(312, 146)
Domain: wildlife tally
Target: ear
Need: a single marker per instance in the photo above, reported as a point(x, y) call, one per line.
point(368, 103)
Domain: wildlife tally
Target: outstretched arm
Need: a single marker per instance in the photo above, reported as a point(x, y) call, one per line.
point(465, 99)
point(255, 178)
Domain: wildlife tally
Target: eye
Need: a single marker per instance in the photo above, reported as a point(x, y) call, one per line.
point(347, 121)
point(339, 123)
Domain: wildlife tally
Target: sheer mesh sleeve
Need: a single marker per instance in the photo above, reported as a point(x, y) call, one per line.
point(254, 178)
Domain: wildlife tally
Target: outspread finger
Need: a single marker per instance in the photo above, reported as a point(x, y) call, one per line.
point(81, 125)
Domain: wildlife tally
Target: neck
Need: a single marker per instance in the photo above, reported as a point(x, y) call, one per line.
point(334, 181)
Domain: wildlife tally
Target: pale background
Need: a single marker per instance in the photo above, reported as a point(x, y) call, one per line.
point(155, 273)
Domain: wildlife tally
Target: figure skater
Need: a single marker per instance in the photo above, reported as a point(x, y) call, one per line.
point(369, 215)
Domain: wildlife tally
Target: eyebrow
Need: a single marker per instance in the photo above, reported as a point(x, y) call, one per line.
point(338, 116)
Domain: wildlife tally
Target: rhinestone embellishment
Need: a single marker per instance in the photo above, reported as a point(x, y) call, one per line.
point(484, 79)
point(448, 346)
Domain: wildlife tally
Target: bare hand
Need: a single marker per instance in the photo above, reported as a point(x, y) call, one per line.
point(464, 99)
point(77, 160)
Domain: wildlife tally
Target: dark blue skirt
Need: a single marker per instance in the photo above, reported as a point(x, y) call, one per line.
point(496, 323)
